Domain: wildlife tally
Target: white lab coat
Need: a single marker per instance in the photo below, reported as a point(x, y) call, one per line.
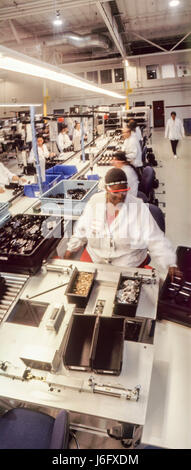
point(132, 179)
point(5, 175)
point(43, 153)
point(138, 133)
point(77, 134)
point(126, 240)
point(133, 151)
point(174, 129)
point(63, 141)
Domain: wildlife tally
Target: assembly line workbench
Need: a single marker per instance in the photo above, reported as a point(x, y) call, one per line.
point(16, 339)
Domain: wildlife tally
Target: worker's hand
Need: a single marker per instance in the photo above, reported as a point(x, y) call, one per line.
point(15, 178)
point(23, 180)
point(68, 254)
point(2, 190)
point(174, 271)
point(52, 154)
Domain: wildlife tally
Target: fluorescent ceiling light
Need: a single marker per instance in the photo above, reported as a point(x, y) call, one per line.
point(174, 3)
point(58, 21)
point(126, 63)
point(16, 62)
point(18, 105)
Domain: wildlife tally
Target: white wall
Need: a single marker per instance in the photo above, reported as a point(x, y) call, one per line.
point(174, 91)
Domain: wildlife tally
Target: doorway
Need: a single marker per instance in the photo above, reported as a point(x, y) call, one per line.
point(158, 113)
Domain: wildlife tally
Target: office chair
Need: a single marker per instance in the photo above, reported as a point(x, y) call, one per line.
point(22, 428)
point(146, 184)
point(142, 196)
point(144, 155)
point(158, 216)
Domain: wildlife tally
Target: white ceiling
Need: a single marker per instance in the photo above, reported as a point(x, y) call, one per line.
point(24, 25)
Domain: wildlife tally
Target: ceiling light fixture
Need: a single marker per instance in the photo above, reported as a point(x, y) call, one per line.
point(174, 3)
point(58, 21)
point(16, 62)
point(19, 105)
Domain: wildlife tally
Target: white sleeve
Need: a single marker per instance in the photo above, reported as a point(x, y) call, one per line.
point(79, 238)
point(8, 173)
point(45, 150)
point(60, 142)
point(159, 246)
point(31, 156)
point(167, 130)
point(182, 129)
point(132, 151)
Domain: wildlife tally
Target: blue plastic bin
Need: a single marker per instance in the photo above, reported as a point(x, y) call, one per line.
point(32, 190)
point(64, 171)
point(93, 177)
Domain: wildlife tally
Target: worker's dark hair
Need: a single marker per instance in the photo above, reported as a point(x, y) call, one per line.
point(120, 156)
point(173, 112)
point(76, 123)
point(132, 124)
point(64, 126)
point(115, 175)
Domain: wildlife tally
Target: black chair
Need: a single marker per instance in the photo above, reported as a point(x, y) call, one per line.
point(158, 216)
point(22, 428)
point(142, 196)
point(144, 155)
point(147, 180)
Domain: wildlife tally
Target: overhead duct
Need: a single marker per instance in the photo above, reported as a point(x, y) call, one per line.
point(79, 41)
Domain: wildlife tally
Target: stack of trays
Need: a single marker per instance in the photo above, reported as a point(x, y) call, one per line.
point(175, 299)
point(26, 240)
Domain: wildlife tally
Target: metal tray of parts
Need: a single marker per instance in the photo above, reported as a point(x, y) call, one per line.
point(66, 204)
point(122, 308)
point(94, 344)
point(79, 299)
point(13, 260)
point(175, 297)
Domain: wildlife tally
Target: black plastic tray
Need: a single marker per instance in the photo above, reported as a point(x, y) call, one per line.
point(125, 309)
point(31, 263)
point(168, 307)
point(79, 300)
point(107, 351)
point(94, 344)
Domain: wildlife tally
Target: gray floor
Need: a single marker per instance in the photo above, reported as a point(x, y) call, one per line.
point(176, 203)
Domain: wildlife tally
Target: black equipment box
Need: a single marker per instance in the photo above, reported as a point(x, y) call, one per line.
point(25, 240)
point(76, 294)
point(175, 298)
point(95, 344)
point(128, 288)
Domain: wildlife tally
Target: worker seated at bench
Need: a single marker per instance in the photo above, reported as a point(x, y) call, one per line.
point(43, 153)
point(119, 229)
point(6, 177)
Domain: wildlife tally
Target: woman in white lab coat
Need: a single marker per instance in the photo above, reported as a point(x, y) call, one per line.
point(77, 135)
point(120, 161)
point(119, 229)
point(132, 148)
point(43, 153)
point(174, 132)
point(63, 140)
point(136, 129)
